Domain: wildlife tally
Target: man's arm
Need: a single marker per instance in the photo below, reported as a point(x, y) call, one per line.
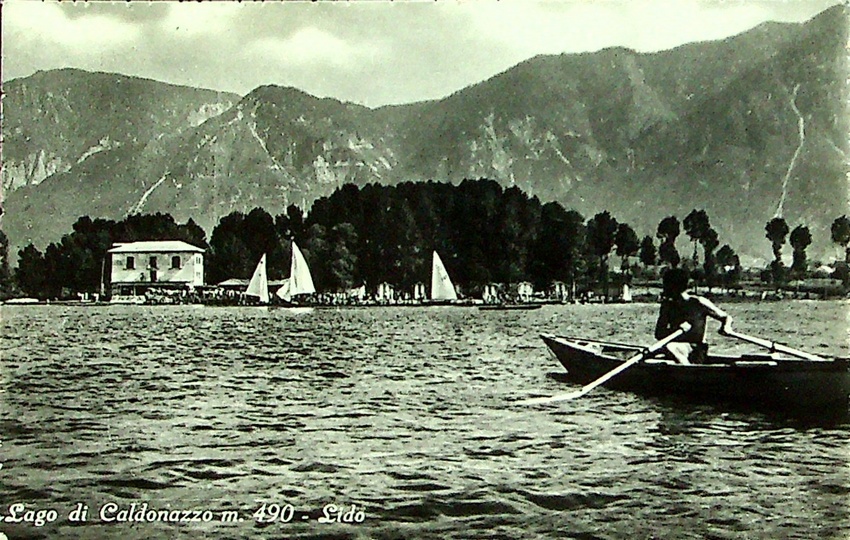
point(716, 313)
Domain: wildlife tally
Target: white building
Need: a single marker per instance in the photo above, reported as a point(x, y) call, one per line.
point(385, 293)
point(166, 264)
point(419, 292)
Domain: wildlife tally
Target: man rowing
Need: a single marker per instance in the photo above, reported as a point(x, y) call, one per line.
point(677, 307)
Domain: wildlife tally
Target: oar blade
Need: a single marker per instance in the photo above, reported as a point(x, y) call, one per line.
point(552, 399)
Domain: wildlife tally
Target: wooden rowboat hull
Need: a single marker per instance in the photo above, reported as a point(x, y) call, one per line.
point(752, 379)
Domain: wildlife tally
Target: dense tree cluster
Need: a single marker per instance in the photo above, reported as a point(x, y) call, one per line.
point(375, 234)
point(239, 240)
point(698, 228)
point(668, 231)
point(840, 232)
point(800, 239)
point(777, 232)
point(6, 282)
point(484, 233)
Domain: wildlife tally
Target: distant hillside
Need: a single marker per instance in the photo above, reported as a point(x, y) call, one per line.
point(712, 125)
point(708, 125)
point(55, 120)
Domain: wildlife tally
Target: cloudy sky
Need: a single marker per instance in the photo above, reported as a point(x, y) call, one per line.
point(371, 52)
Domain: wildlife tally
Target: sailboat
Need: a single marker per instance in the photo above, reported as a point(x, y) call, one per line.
point(442, 289)
point(299, 281)
point(259, 284)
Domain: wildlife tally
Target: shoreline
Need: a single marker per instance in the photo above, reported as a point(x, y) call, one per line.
point(719, 298)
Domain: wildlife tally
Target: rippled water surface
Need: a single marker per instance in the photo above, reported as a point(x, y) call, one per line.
point(408, 413)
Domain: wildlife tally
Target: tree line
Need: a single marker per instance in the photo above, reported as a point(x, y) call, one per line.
point(778, 231)
point(374, 234)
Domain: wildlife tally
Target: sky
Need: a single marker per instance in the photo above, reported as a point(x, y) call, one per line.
point(371, 52)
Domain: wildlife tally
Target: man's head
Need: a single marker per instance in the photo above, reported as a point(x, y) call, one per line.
point(675, 282)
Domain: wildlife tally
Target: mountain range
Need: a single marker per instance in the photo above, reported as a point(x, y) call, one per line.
point(747, 128)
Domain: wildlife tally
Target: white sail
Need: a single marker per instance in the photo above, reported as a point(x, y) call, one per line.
point(283, 293)
point(300, 281)
point(441, 284)
point(259, 284)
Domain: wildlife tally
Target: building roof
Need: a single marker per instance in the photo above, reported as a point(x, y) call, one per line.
point(158, 246)
point(233, 282)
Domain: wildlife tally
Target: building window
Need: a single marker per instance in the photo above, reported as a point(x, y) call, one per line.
point(175, 262)
point(153, 262)
point(131, 263)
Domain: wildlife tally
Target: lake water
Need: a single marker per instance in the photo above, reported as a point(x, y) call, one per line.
point(409, 414)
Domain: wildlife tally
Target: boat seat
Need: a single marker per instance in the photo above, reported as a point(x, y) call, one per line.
point(755, 363)
point(657, 361)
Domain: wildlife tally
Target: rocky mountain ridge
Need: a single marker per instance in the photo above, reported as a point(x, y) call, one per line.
point(747, 128)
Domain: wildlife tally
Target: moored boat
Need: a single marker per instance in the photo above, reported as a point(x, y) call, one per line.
point(258, 287)
point(300, 280)
point(509, 307)
point(442, 289)
point(752, 379)
point(13, 301)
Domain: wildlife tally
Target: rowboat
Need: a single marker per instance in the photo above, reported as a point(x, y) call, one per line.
point(752, 379)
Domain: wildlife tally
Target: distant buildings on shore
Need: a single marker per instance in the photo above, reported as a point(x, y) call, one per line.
point(172, 271)
point(166, 265)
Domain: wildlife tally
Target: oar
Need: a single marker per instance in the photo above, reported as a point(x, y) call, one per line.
point(613, 373)
point(773, 346)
